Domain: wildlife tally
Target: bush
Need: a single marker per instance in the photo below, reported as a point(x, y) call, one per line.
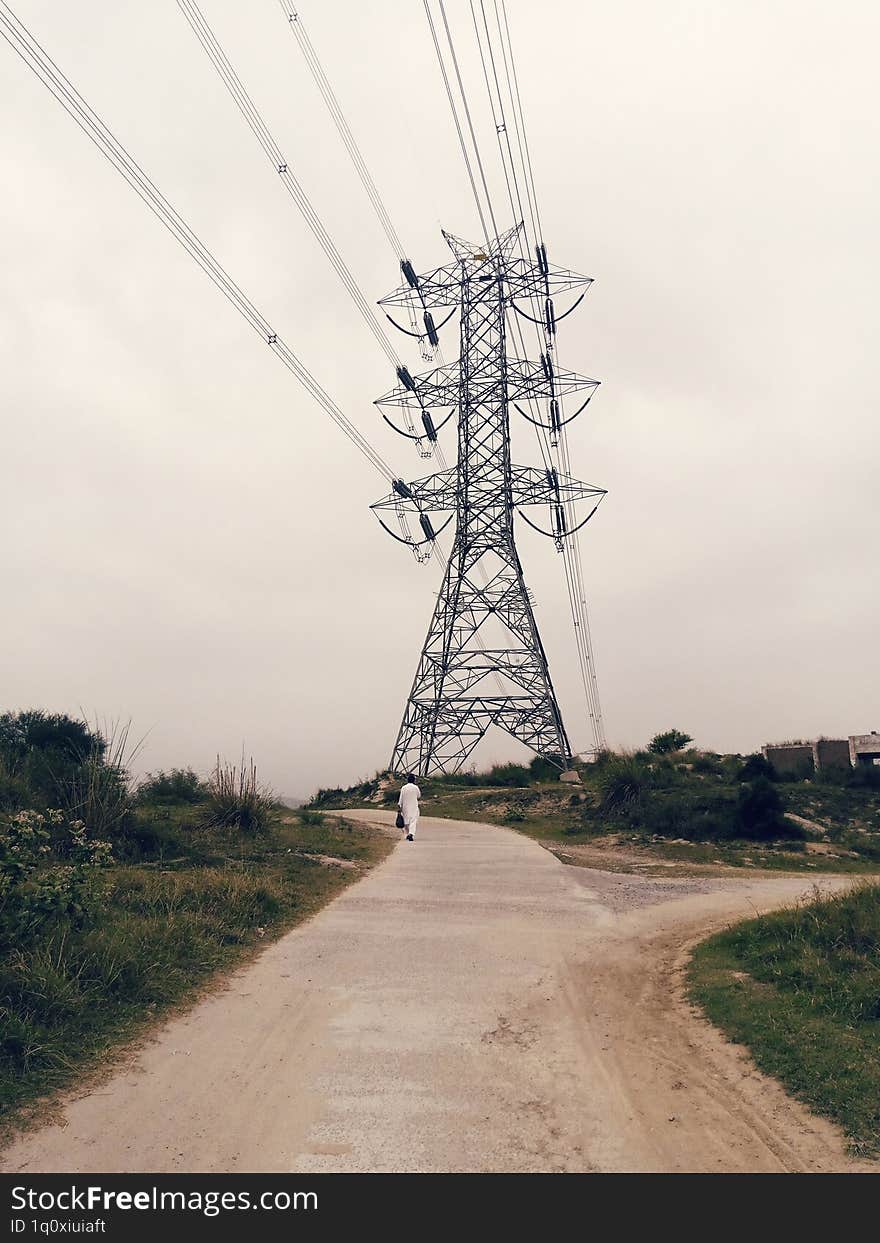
point(760, 808)
point(179, 785)
point(756, 766)
point(49, 760)
point(544, 769)
point(43, 752)
point(14, 793)
point(622, 783)
point(237, 799)
point(47, 867)
point(692, 814)
point(659, 800)
point(707, 764)
point(508, 775)
point(666, 743)
point(23, 733)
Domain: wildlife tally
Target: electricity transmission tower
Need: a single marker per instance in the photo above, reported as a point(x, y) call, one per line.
point(484, 624)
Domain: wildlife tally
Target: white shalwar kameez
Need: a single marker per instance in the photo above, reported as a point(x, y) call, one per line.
point(409, 807)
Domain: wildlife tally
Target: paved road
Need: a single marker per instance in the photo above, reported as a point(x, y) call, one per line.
point(472, 1004)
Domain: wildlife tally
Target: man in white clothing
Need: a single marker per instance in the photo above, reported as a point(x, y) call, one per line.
point(409, 806)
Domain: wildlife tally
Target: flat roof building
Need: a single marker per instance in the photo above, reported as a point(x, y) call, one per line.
point(864, 748)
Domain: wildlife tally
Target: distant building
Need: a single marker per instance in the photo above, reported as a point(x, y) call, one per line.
point(800, 758)
point(864, 748)
point(831, 753)
point(790, 759)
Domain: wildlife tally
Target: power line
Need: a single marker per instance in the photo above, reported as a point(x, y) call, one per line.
point(262, 133)
point(467, 113)
point(461, 142)
point(519, 110)
point(333, 106)
point(27, 47)
point(325, 89)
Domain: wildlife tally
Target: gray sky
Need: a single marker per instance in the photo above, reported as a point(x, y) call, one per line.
point(186, 535)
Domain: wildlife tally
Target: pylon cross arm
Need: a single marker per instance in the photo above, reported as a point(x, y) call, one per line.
point(529, 486)
point(518, 278)
point(436, 492)
point(523, 381)
point(526, 379)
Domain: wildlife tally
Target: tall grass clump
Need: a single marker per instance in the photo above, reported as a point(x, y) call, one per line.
point(237, 799)
point(97, 790)
point(622, 781)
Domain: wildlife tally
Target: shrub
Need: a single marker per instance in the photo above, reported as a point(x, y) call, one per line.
point(544, 769)
point(22, 733)
point(756, 766)
point(669, 741)
point(42, 752)
point(47, 866)
point(508, 775)
point(760, 810)
point(237, 799)
point(622, 783)
point(179, 785)
point(14, 793)
point(694, 814)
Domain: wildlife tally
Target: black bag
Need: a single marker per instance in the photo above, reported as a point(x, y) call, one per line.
point(400, 823)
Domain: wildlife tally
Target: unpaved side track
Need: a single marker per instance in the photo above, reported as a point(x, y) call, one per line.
point(472, 1004)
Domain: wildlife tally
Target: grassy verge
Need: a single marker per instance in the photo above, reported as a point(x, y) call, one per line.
point(201, 902)
point(801, 989)
point(554, 815)
point(690, 813)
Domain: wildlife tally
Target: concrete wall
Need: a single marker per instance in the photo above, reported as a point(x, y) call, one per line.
point(794, 759)
point(831, 753)
point(864, 748)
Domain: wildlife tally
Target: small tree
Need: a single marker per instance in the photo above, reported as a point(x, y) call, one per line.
point(669, 741)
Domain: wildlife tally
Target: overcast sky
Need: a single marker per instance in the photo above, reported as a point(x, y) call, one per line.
point(186, 538)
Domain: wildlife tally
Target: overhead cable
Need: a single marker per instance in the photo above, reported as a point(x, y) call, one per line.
point(292, 185)
point(26, 46)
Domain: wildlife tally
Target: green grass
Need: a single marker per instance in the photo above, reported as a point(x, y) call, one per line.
point(801, 989)
point(692, 797)
point(200, 902)
point(546, 813)
point(844, 810)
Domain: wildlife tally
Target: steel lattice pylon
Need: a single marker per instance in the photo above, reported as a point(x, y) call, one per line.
point(449, 708)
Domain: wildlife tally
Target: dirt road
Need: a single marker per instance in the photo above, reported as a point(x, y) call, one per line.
point(472, 1004)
